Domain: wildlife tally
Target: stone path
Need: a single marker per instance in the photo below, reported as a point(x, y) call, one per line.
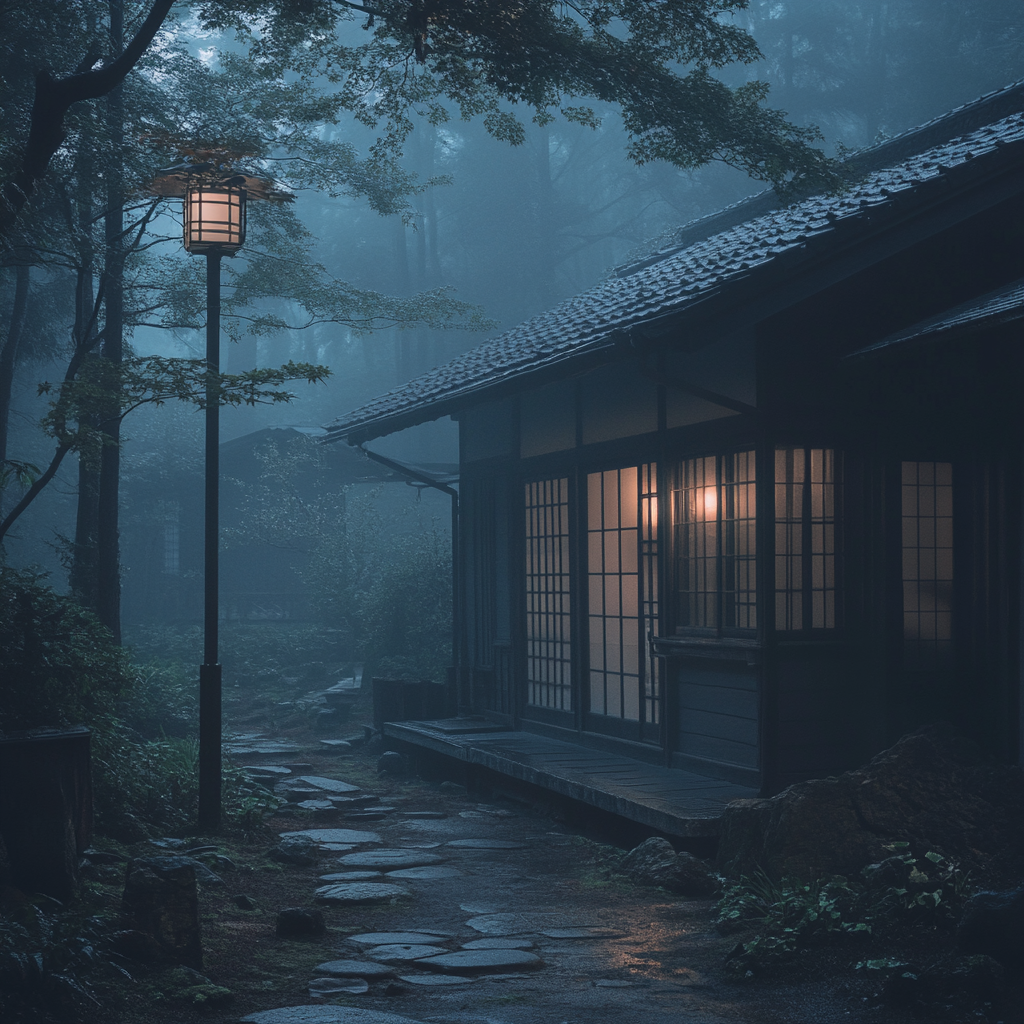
point(479, 914)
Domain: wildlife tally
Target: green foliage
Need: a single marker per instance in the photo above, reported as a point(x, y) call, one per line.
point(485, 59)
point(60, 666)
point(899, 892)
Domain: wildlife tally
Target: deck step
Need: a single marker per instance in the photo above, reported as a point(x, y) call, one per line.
point(671, 800)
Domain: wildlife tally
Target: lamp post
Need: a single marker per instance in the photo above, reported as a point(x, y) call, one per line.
point(214, 227)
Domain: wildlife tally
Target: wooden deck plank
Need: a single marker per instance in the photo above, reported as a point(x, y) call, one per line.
point(672, 800)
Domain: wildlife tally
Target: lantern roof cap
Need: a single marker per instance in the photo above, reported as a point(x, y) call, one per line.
point(213, 170)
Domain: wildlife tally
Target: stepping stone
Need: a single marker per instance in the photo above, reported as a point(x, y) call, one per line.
point(377, 814)
point(501, 924)
point(325, 1015)
point(299, 766)
point(479, 908)
point(353, 969)
point(435, 980)
point(393, 938)
point(330, 785)
point(482, 961)
point(473, 814)
point(270, 771)
point(404, 952)
point(420, 846)
point(336, 746)
point(336, 847)
point(586, 932)
point(359, 892)
point(486, 844)
point(612, 983)
point(426, 873)
point(423, 815)
point(353, 876)
point(337, 835)
point(496, 943)
point(318, 806)
point(387, 859)
point(248, 749)
point(338, 987)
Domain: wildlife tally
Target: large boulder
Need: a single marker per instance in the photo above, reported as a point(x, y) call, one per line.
point(931, 789)
point(993, 925)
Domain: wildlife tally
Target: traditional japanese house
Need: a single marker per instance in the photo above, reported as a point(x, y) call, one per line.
point(751, 507)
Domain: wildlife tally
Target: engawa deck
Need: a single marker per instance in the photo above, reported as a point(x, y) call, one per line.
point(669, 800)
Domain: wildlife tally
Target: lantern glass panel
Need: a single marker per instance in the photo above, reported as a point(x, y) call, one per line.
point(215, 220)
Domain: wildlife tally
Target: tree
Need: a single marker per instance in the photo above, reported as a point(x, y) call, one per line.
point(655, 62)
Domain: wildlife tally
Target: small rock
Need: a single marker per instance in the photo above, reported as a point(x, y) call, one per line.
point(160, 899)
point(295, 849)
point(993, 924)
point(655, 862)
point(452, 789)
point(243, 902)
point(300, 923)
point(392, 763)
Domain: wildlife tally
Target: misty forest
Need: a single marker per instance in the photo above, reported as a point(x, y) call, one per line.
point(564, 563)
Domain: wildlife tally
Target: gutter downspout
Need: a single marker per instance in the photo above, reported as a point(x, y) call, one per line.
point(457, 653)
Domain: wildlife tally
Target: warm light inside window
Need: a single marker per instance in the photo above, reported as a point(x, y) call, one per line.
point(215, 220)
point(710, 503)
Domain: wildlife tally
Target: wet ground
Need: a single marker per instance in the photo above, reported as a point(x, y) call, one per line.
point(482, 878)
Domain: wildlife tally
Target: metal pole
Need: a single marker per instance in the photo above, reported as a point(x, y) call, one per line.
point(209, 671)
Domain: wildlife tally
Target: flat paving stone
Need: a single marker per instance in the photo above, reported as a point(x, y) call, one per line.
point(338, 986)
point(270, 771)
point(314, 1014)
point(404, 952)
point(426, 873)
point(330, 785)
point(247, 749)
point(389, 859)
point(590, 932)
point(612, 983)
point(482, 961)
point(353, 876)
point(503, 924)
point(336, 847)
point(359, 892)
point(486, 844)
point(337, 835)
point(498, 943)
point(423, 815)
point(320, 806)
point(435, 980)
point(392, 938)
point(354, 969)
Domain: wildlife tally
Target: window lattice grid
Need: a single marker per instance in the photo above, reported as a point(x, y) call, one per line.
point(649, 589)
point(714, 525)
point(613, 569)
point(927, 500)
point(548, 649)
point(807, 491)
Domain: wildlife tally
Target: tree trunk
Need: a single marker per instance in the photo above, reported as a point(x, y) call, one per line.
point(9, 354)
point(108, 563)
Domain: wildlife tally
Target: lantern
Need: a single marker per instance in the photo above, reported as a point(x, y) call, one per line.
point(214, 221)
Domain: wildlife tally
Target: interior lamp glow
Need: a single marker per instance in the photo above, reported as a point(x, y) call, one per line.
point(710, 503)
point(214, 221)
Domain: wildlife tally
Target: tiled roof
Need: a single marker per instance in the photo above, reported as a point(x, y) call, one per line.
point(1001, 306)
point(674, 284)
